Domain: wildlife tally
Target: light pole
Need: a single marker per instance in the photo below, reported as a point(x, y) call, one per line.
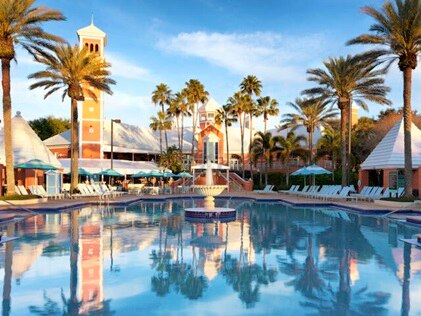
point(118, 121)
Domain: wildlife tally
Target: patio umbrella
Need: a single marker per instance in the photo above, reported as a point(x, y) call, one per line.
point(110, 172)
point(316, 170)
point(184, 175)
point(83, 172)
point(35, 164)
point(301, 172)
point(140, 174)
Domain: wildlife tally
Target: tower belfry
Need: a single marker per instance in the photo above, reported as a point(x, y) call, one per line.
point(92, 111)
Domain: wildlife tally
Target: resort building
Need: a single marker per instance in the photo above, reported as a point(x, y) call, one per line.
point(385, 164)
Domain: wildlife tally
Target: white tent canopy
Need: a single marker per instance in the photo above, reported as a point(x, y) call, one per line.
point(215, 166)
point(26, 144)
point(389, 153)
point(122, 166)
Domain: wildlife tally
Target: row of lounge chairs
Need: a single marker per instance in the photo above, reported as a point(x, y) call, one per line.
point(36, 190)
point(330, 192)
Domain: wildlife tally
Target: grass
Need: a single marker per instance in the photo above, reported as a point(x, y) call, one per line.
point(401, 199)
point(17, 197)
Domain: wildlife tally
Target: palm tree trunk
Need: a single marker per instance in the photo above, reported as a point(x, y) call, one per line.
point(74, 253)
point(251, 140)
point(344, 120)
point(74, 151)
point(266, 172)
point(227, 144)
point(265, 118)
point(182, 133)
point(242, 143)
point(407, 123)
point(7, 118)
point(310, 147)
point(8, 261)
point(195, 115)
point(160, 141)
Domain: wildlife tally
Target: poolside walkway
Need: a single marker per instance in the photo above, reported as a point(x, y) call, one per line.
point(7, 213)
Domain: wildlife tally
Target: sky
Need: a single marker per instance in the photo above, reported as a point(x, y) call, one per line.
point(218, 42)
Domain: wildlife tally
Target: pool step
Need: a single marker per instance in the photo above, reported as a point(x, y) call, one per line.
point(414, 219)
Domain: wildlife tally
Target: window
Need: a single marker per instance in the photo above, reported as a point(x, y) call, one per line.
point(91, 48)
point(210, 151)
point(202, 117)
point(96, 48)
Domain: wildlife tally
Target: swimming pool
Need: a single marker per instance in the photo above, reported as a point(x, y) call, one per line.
point(146, 259)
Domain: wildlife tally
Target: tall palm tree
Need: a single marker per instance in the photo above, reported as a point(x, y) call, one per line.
point(160, 123)
point(196, 94)
point(162, 95)
point(155, 125)
point(330, 144)
point(20, 25)
point(264, 146)
point(185, 111)
point(251, 86)
point(174, 111)
point(290, 146)
point(312, 113)
point(226, 116)
point(397, 29)
point(347, 79)
point(75, 71)
point(238, 102)
point(266, 106)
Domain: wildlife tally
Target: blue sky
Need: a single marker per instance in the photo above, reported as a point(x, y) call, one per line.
point(216, 41)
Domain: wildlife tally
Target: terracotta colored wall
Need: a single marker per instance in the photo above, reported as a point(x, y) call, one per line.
point(90, 151)
point(363, 176)
point(63, 152)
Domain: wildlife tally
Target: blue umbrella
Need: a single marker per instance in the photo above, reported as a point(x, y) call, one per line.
point(83, 172)
point(35, 164)
point(110, 172)
point(184, 175)
point(301, 172)
point(316, 170)
point(140, 174)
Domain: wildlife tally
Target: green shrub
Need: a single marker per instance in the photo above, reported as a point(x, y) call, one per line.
point(17, 197)
point(401, 199)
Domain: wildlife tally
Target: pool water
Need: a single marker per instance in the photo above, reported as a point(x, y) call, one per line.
point(147, 259)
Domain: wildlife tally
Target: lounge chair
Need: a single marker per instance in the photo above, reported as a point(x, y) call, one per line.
point(268, 189)
point(22, 190)
point(342, 195)
point(292, 188)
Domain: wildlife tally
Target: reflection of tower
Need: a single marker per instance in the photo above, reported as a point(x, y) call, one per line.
point(91, 281)
point(92, 113)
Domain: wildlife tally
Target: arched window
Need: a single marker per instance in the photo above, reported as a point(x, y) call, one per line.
point(91, 48)
point(86, 45)
point(96, 48)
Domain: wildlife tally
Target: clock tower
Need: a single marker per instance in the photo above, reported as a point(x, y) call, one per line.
point(92, 111)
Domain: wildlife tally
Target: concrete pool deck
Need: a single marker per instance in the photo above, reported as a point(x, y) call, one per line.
point(7, 213)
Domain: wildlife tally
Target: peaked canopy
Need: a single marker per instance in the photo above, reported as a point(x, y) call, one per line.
point(389, 153)
point(110, 172)
point(26, 144)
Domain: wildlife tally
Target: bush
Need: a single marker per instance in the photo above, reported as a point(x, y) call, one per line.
point(17, 197)
point(401, 199)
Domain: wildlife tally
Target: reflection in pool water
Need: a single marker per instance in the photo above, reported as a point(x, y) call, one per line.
point(271, 259)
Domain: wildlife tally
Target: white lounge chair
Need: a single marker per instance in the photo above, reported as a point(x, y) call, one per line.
point(268, 188)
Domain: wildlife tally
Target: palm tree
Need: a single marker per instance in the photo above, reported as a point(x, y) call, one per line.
point(174, 111)
point(290, 146)
point(226, 116)
point(238, 102)
point(196, 94)
point(330, 144)
point(267, 106)
point(162, 96)
point(397, 28)
point(348, 79)
point(312, 113)
point(251, 86)
point(264, 146)
point(160, 123)
point(20, 25)
point(75, 71)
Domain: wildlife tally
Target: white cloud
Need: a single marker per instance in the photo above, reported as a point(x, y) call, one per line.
point(121, 67)
point(270, 56)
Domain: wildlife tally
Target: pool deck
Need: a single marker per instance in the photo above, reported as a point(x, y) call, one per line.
point(8, 213)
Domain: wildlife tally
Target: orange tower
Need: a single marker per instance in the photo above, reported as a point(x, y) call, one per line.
point(92, 112)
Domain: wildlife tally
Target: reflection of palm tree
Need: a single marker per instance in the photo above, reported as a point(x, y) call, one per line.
point(7, 285)
point(308, 281)
point(406, 303)
point(73, 303)
point(193, 286)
